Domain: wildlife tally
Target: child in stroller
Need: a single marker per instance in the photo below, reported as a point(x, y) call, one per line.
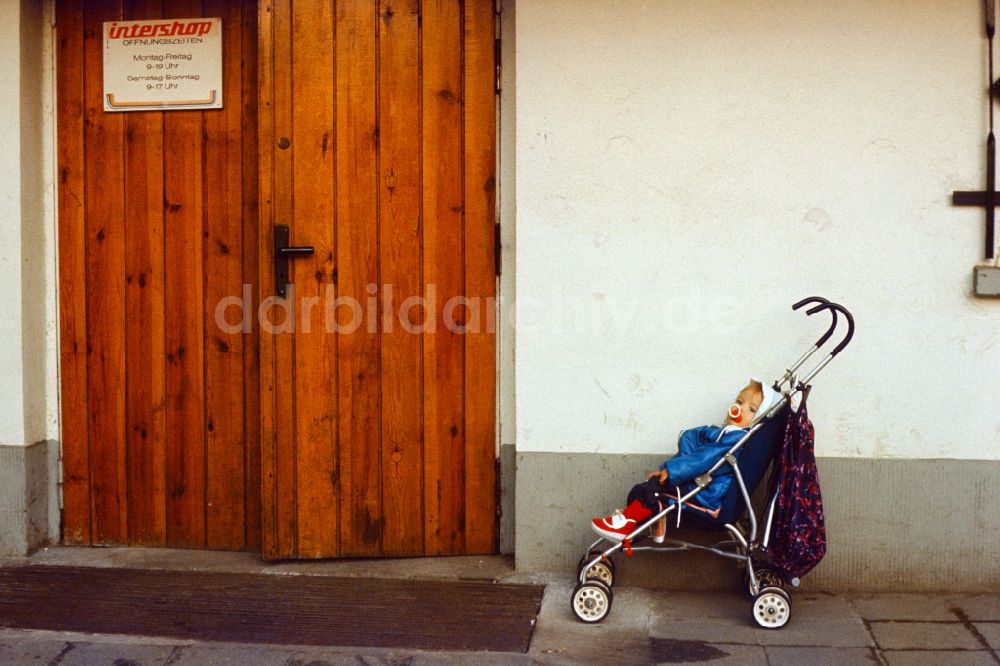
point(711, 481)
point(698, 449)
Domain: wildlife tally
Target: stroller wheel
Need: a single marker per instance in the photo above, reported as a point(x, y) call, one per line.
point(603, 571)
point(591, 601)
point(772, 608)
point(765, 578)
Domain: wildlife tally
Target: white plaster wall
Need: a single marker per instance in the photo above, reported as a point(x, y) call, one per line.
point(49, 268)
point(11, 362)
point(506, 209)
point(687, 170)
point(28, 365)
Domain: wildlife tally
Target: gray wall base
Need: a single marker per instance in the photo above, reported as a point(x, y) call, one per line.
point(29, 510)
point(892, 525)
point(508, 475)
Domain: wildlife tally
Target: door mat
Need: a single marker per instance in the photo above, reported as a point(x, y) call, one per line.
point(271, 608)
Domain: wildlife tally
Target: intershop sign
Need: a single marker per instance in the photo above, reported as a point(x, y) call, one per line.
point(165, 64)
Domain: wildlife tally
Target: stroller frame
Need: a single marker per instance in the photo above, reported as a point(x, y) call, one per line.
point(771, 600)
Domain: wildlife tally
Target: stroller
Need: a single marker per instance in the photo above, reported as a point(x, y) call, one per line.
point(761, 445)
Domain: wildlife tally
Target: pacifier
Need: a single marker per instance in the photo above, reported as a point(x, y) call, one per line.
point(736, 412)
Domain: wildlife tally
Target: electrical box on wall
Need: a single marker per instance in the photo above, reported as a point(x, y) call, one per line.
point(986, 280)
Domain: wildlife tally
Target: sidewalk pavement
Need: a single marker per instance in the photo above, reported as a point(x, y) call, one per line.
point(644, 627)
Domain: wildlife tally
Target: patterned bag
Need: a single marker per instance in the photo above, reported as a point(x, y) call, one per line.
point(798, 538)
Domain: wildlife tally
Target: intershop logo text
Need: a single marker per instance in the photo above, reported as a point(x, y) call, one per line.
point(170, 29)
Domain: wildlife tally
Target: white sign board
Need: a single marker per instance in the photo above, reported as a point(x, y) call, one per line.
point(163, 64)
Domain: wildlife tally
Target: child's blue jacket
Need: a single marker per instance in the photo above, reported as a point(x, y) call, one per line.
point(699, 449)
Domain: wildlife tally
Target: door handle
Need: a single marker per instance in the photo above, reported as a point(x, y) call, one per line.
point(282, 253)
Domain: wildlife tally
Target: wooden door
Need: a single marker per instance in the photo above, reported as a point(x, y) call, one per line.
point(157, 223)
point(377, 122)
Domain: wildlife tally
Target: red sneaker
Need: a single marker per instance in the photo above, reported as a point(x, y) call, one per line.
point(615, 527)
point(620, 524)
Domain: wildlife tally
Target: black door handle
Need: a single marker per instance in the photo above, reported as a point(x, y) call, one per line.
point(282, 253)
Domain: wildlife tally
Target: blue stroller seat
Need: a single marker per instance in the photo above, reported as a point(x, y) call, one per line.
point(753, 460)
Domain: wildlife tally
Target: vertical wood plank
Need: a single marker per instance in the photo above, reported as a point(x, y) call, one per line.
point(72, 272)
point(104, 158)
point(224, 386)
point(144, 321)
point(271, 510)
point(480, 280)
point(184, 297)
point(284, 341)
point(251, 248)
point(444, 436)
point(399, 249)
point(315, 347)
point(357, 267)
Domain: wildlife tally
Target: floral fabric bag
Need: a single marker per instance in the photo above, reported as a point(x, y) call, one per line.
point(798, 538)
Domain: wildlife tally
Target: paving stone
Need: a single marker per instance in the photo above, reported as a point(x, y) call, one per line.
point(829, 633)
point(981, 607)
point(120, 654)
point(737, 608)
point(937, 658)
point(23, 649)
point(78, 637)
point(339, 657)
point(905, 607)
point(629, 609)
point(245, 655)
point(990, 631)
point(560, 638)
point(817, 606)
point(463, 658)
point(716, 631)
point(469, 567)
point(675, 652)
point(591, 646)
point(668, 605)
point(819, 656)
point(923, 636)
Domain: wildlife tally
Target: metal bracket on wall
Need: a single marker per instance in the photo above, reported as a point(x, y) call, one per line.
point(986, 281)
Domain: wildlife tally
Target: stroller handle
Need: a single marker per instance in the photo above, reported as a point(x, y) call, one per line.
point(834, 308)
point(790, 372)
point(810, 299)
point(822, 301)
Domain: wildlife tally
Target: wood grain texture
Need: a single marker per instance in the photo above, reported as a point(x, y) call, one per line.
point(399, 247)
point(481, 527)
point(105, 238)
point(312, 220)
point(272, 509)
point(357, 137)
point(70, 106)
point(223, 264)
point(145, 382)
point(185, 303)
point(373, 440)
point(443, 258)
point(413, 202)
point(282, 317)
point(153, 232)
point(251, 275)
